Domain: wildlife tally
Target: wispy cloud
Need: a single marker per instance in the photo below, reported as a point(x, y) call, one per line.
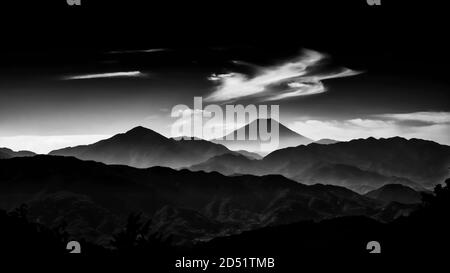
point(427, 117)
point(290, 79)
point(433, 126)
point(151, 50)
point(105, 75)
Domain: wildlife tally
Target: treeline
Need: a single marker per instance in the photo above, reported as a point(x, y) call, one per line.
point(425, 231)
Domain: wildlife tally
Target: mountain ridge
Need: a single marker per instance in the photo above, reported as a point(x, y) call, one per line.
point(65, 188)
point(142, 147)
point(8, 153)
point(411, 162)
point(396, 193)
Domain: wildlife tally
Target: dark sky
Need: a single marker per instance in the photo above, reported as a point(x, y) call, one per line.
point(59, 81)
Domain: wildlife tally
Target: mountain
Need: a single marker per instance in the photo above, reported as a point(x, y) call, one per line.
point(8, 153)
point(423, 162)
point(227, 164)
point(141, 147)
point(342, 175)
point(326, 141)
point(287, 137)
point(349, 176)
point(414, 235)
point(396, 193)
point(249, 155)
point(361, 165)
point(95, 199)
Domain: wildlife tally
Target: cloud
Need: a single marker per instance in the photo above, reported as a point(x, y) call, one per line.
point(290, 79)
point(152, 50)
point(426, 117)
point(299, 89)
point(386, 125)
point(105, 75)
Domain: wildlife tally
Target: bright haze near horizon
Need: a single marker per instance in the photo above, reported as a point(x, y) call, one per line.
point(60, 89)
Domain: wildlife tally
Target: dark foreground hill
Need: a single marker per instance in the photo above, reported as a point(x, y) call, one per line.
point(423, 235)
point(95, 199)
point(421, 238)
point(396, 193)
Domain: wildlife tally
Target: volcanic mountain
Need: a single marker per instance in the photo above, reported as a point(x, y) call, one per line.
point(287, 137)
point(142, 148)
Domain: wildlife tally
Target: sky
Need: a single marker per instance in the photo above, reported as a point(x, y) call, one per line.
point(66, 89)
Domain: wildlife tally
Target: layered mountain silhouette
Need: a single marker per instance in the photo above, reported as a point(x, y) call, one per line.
point(287, 137)
point(396, 193)
point(341, 238)
point(361, 165)
point(247, 154)
point(95, 198)
point(224, 192)
point(141, 147)
point(326, 141)
point(8, 153)
point(229, 164)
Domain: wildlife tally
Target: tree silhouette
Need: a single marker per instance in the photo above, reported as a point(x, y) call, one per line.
point(134, 236)
point(136, 239)
point(440, 200)
point(19, 236)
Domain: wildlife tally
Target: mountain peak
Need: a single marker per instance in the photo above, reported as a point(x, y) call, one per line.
point(142, 147)
point(267, 120)
point(138, 129)
point(395, 193)
point(286, 136)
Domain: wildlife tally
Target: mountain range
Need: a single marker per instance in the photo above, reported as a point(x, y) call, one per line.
point(8, 153)
point(95, 198)
point(361, 165)
point(396, 193)
point(142, 148)
point(95, 187)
